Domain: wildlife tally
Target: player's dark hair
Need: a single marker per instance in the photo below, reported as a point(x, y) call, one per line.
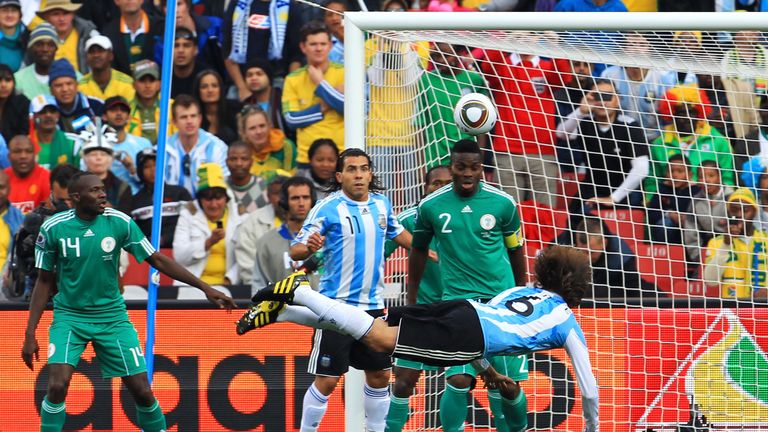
point(465, 146)
point(62, 175)
point(565, 271)
point(76, 180)
point(334, 185)
point(431, 171)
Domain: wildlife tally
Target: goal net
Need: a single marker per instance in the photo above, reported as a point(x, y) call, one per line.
point(642, 147)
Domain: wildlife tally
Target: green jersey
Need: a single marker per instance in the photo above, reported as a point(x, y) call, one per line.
point(85, 256)
point(431, 286)
point(474, 234)
point(438, 96)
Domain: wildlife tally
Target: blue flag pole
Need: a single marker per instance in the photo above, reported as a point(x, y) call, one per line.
point(162, 137)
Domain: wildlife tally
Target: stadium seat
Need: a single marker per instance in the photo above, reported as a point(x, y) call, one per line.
point(541, 223)
point(661, 264)
point(627, 224)
point(135, 292)
point(192, 293)
point(568, 187)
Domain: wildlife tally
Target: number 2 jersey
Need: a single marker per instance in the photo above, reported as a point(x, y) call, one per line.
point(85, 256)
point(526, 319)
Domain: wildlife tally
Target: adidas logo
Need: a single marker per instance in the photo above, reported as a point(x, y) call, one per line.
point(89, 233)
point(466, 209)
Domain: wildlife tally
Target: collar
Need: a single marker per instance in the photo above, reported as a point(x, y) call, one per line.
point(142, 29)
point(285, 232)
point(516, 60)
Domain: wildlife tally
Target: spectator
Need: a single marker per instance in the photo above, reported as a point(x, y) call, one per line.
point(569, 96)
point(755, 141)
point(78, 111)
point(755, 177)
point(258, 79)
point(132, 34)
point(98, 155)
point(525, 151)
point(219, 114)
point(206, 233)
point(666, 209)
point(145, 108)
point(185, 64)
point(641, 88)
point(14, 107)
point(323, 155)
point(29, 181)
point(32, 80)
point(706, 216)
point(255, 225)
point(250, 191)
point(737, 261)
point(191, 146)
point(73, 31)
point(52, 145)
point(102, 81)
point(126, 147)
point(313, 102)
point(264, 30)
point(614, 265)
point(743, 92)
point(10, 222)
point(333, 18)
point(272, 151)
point(689, 133)
point(272, 263)
point(616, 157)
point(439, 92)
point(141, 210)
point(590, 6)
point(12, 34)
point(208, 32)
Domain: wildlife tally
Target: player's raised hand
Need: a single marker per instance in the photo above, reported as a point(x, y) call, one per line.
point(29, 350)
point(220, 299)
point(315, 242)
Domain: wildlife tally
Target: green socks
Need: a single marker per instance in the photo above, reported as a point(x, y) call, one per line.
point(453, 408)
point(399, 408)
point(150, 419)
point(52, 416)
point(516, 412)
point(494, 400)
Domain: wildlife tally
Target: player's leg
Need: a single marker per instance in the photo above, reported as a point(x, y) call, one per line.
point(377, 366)
point(407, 374)
point(120, 354)
point(316, 402)
point(328, 361)
point(453, 403)
point(510, 404)
point(66, 343)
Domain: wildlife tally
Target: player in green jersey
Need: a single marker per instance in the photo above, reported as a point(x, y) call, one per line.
point(80, 248)
point(407, 372)
point(480, 243)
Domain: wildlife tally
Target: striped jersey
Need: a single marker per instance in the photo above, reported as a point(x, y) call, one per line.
point(526, 319)
point(85, 256)
point(355, 233)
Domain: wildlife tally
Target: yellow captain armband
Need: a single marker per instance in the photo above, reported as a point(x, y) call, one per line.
point(515, 240)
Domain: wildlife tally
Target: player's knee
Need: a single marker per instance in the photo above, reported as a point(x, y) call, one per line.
point(144, 397)
point(57, 389)
point(326, 385)
point(460, 381)
point(377, 379)
point(510, 391)
point(405, 381)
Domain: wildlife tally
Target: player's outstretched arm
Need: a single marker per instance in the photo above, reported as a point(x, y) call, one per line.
point(176, 271)
point(577, 350)
point(40, 295)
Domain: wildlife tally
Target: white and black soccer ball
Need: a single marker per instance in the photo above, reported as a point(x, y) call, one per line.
point(475, 114)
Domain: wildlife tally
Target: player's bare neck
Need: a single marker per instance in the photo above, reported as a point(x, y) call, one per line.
point(84, 215)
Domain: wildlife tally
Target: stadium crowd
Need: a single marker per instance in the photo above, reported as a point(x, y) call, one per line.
point(258, 101)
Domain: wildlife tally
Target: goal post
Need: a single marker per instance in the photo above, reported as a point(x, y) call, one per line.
point(392, 112)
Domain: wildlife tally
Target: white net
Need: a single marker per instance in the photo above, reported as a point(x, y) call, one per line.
point(643, 148)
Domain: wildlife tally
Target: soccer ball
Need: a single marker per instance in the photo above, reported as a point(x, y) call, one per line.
point(475, 114)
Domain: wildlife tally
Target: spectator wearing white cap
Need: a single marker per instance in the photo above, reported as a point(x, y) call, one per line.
point(103, 82)
point(52, 146)
point(73, 31)
point(12, 31)
point(32, 80)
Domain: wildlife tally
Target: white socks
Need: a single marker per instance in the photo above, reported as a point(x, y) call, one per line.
point(376, 403)
point(341, 317)
point(315, 404)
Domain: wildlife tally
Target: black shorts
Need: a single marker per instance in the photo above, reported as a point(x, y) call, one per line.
point(445, 333)
point(333, 353)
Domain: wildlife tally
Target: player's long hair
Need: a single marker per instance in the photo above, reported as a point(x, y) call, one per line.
point(334, 185)
point(565, 271)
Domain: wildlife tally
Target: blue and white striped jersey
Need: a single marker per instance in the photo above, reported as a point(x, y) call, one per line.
point(355, 233)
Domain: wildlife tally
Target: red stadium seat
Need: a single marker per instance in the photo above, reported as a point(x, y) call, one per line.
point(138, 274)
point(568, 187)
point(661, 264)
point(627, 224)
point(541, 223)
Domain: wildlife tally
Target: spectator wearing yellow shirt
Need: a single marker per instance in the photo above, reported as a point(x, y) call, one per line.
point(145, 106)
point(73, 31)
point(272, 151)
point(313, 102)
point(737, 261)
point(103, 82)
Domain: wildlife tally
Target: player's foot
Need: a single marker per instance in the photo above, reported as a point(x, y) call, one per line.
point(282, 290)
point(259, 315)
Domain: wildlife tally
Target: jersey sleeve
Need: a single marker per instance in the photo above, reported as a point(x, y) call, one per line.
point(576, 348)
point(45, 251)
point(422, 229)
point(316, 222)
point(136, 243)
point(512, 228)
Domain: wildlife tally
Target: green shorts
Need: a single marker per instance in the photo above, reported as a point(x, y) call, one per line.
point(515, 367)
point(410, 364)
point(116, 345)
